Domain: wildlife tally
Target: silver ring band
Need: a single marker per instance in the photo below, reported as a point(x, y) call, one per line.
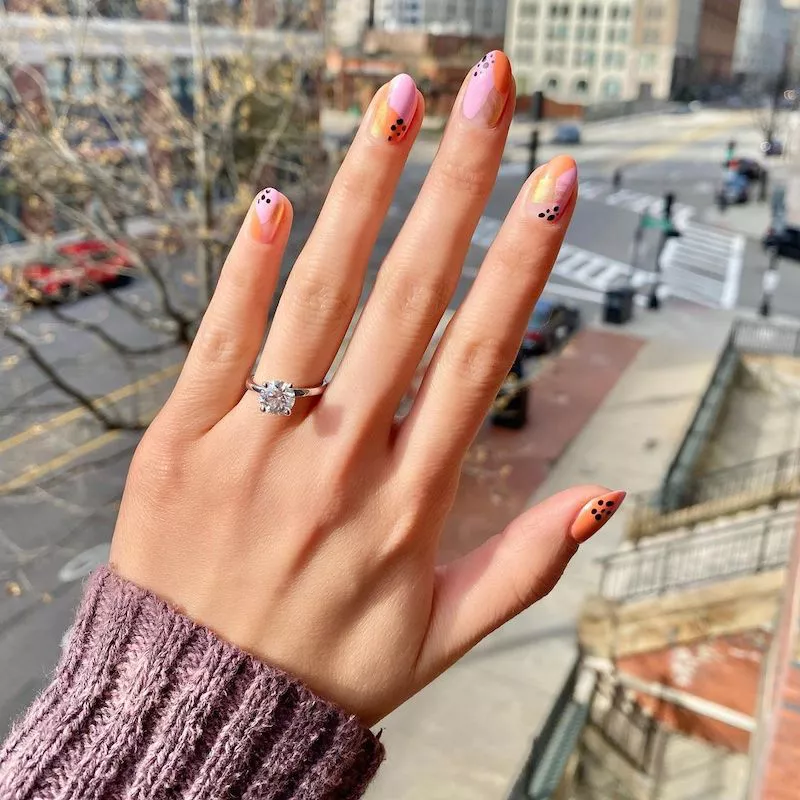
point(277, 397)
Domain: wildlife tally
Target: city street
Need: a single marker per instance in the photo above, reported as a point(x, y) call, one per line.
point(61, 473)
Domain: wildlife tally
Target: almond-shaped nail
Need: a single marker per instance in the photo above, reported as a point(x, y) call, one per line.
point(487, 91)
point(594, 515)
point(395, 110)
point(551, 188)
point(266, 215)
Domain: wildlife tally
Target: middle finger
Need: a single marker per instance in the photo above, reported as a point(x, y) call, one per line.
point(422, 269)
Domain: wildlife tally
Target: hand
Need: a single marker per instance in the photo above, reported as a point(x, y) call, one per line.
point(311, 540)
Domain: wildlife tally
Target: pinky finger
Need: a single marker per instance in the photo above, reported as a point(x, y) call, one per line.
point(485, 588)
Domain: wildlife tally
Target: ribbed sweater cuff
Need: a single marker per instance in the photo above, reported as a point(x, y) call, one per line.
point(147, 704)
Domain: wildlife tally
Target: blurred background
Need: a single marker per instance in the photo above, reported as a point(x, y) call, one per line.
point(662, 358)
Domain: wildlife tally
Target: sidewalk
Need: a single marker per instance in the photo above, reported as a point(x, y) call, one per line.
point(467, 735)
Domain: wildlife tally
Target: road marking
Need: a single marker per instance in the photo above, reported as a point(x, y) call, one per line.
point(661, 151)
point(36, 471)
point(59, 421)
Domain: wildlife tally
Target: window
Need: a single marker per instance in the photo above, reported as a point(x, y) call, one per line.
point(524, 53)
point(622, 34)
point(610, 36)
point(583, 12)
point(581, 86)
point(595, 12)
point(651, 36)
point(526, 10)
point(608, 58)
point(552, 84)
point(555, 56)
point(625, 12)
point(561, 32)
point(653, 12)
point(565, 11)
point(611, 88)
point(527, 31)
point(648, 61)
point(619, 59)
point(591, 33)
point(583, 58)
point(612, 12)
point(553, 11)
point(580, 32)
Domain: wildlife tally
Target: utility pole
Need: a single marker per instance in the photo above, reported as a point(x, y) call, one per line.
point(537, 112)
point(371, 17)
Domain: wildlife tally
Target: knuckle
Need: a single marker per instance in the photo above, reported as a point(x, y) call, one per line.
point(158, 461)
point(313, 293)
point(218, 342)
point(454, 175)
point(411, 297)
point(481, 361)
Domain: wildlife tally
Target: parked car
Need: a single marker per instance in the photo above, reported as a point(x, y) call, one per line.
point(550, 325)
point(772, 147)
point(785, 240)
point(748, 167)
point(79, 268)
point(735, 189)
point(567, 134)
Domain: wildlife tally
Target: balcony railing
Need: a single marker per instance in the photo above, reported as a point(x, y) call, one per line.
point(741, 549)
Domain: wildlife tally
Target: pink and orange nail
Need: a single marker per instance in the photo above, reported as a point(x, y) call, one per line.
point(396, 108)
point(266, 215)
point(552, 187)
point(594, 515)
point(488, 88)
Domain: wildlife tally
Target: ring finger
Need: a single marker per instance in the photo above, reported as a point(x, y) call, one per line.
point(323, 289)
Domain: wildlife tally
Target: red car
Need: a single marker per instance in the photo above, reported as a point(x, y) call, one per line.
point(81, 268)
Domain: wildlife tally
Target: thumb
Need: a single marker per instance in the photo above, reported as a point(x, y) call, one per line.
point(485, 588)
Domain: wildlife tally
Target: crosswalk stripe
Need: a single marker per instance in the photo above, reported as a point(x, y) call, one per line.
point(707, 275)
point(638, 202)
point(566, 266)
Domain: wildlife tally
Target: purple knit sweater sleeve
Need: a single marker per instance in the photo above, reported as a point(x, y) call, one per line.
point(147, 704)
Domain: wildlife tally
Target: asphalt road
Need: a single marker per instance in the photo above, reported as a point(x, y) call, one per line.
point(61, 474)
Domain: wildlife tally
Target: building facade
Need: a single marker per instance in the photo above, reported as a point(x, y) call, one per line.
point(620, 50)
point(465, 17)
point(762, 39)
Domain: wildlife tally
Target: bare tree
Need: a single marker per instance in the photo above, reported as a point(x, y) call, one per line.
point(151, 138)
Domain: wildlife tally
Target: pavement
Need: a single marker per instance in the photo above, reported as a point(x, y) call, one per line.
point(613, 412)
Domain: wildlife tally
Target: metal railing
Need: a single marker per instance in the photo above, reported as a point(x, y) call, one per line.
point(684, 498)
point(742, 549)
point(528, 784)
point(751, 336)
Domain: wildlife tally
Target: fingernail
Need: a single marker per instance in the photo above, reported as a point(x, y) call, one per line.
point(551, 188)
point(266, 215)
point(594, 515)
point(487, 91)
point(396, 110)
